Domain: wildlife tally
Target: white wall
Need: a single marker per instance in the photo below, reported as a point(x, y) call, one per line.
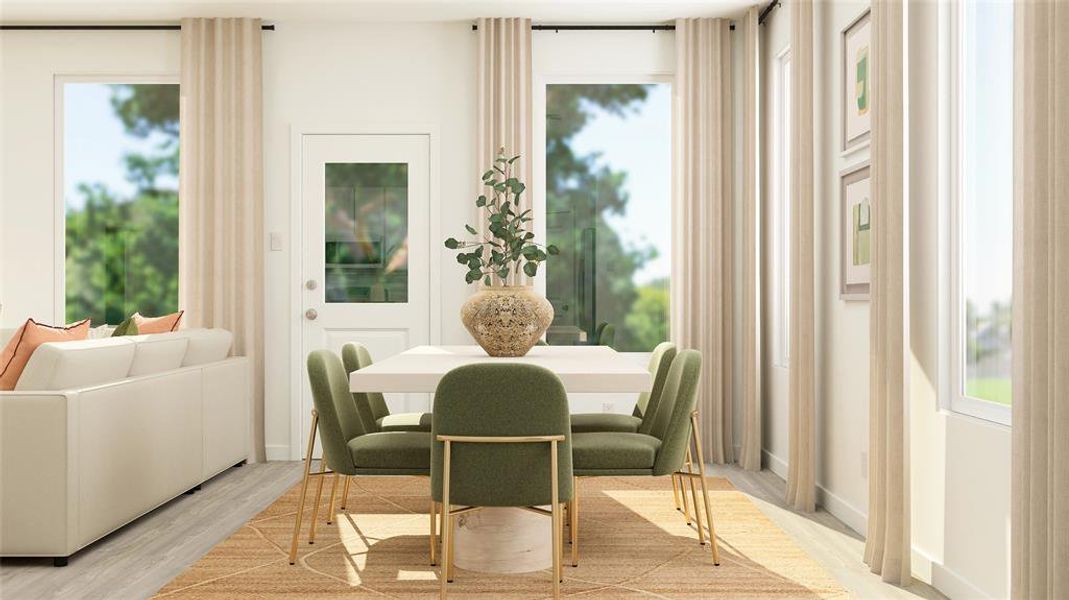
point(29, 65)
point(959, 465)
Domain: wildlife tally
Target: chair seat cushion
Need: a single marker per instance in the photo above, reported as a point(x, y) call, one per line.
point(406, 450)
point(587, 422)
point(613, 451)
point(405, 422)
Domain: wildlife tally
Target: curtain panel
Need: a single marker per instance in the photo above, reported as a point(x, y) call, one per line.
point(703, 219)
point(801, 465)
point(1039, 515)
point(887, 545)
point(221, 208)
point(750, 386)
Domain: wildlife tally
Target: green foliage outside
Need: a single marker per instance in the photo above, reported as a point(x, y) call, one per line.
point(988, 349)
point(999, 390)
point(122, 252)
point(593, 278)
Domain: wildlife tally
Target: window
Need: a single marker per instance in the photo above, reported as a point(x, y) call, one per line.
point(120, 192)
point(781, 212)
point(982, 212)
point(608, 208)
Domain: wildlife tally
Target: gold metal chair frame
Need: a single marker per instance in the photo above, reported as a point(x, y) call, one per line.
point(449, 514)
point(680, 479)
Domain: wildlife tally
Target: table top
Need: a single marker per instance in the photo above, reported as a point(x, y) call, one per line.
point(586, 369)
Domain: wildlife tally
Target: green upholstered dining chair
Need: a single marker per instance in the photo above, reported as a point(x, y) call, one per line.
point(641, 419)
point(349, 448)
point(663, 450)
point(498, 448)
point(605, 334)
point(372, 406)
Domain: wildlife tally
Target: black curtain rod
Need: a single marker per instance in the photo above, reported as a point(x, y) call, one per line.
point(103, 27)
point(652, 28)
point(765, 12)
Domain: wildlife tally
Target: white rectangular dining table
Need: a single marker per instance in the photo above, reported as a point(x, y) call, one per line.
point(582, 369)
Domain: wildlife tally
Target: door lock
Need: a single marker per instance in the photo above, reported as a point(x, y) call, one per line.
point(310, 284)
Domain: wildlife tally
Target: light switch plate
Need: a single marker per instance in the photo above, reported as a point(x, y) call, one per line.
point(276, 241)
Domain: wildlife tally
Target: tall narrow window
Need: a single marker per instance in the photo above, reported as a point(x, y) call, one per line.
point(983, 223)
point(781, 211)
point(120, 189)
point(608, 209)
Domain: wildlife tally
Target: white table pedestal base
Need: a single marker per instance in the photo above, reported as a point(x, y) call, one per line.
point(503, 540)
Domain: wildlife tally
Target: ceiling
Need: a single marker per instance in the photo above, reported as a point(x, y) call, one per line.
point(543, 11)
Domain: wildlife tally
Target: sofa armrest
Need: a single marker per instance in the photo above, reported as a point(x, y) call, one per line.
point(37, 488)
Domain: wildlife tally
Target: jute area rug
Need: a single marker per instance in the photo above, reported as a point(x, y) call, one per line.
point(633, 544)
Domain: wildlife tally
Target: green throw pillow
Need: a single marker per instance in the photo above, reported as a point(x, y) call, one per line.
point(127, 327)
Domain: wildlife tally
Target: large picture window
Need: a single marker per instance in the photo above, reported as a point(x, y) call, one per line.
point(120, 192)
point(608, 160)
point(982, 209)
point(781, 212)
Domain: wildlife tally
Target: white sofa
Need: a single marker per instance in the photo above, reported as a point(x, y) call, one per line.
point(100, 432)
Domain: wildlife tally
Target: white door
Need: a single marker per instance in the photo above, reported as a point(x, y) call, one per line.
point(365, 265)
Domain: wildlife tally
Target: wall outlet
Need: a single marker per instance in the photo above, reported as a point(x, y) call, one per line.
point(864, 464)
point(606, 407)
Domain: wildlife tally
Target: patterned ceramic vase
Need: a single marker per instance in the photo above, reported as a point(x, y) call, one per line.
point(508, 320)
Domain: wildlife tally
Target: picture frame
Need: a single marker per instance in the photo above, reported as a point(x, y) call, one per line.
point(855, 247)
point(856, 83)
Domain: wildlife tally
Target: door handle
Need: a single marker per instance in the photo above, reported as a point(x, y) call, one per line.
point(310, 284)
point(311, 314)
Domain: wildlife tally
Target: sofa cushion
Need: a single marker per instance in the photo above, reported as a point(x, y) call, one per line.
point(403, 450)
point(613, 451)
point(405, 422)
point(23, 345)
point(67, 365)
point(206, 345)
point(164, 324)
point(156, 353)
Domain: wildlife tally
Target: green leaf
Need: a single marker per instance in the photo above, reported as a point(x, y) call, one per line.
point(471, 230)
point(503, 273)
point(513, 159)
point(481, 201)
point(486, 280)
point(531, 269)
point(452, 244)
point(553, 250)
point(462, 258)
point(528, 235)
point(488, 174)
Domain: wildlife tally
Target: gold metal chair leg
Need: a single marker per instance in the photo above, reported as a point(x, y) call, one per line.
point(304, 487)
point(705, 488)
point(557, 532)
point(683, 490)
point(333, 492)
point(452, 549)
point(345, 493)
point(447, 523)
point(573, 525)
point(675, 492)
point(697, 506)
point(319, 499)
point(434, 532)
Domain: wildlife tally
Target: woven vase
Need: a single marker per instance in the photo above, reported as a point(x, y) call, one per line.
point(507, 320)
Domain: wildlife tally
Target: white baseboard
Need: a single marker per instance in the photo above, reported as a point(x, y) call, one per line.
point(955, 586)
point(775, 464)
point(850, 515)
point(277, 452)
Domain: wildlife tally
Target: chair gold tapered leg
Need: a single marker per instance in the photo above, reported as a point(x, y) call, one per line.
point(573, 522)
point(675, 492)
point(304, 487)
point(697, 506)
point(345, 493)
point(452, 549)
point(683, 488)
point(319, 499)
point(330, 509)
point(557, 533)
point(705, 488)
point(434, 532)
point(447, 523)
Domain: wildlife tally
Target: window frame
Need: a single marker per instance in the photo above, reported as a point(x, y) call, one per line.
point(780, 214)
point(59, 203)
point(538, 163)
point(955, 398)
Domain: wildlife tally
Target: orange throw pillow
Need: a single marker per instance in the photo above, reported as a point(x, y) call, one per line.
point(27, 338)
point(162, 324)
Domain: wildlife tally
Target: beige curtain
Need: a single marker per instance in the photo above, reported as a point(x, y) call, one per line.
point(221, 220)
point(1040, 483)
point(504, 119)
point(703, 219)
point(801, 468)
point(750, 386)
point(887, 545)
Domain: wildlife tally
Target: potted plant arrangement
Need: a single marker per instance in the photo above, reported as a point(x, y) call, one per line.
point(506, 317)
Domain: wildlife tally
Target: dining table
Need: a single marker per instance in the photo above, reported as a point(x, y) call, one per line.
point(499, 539)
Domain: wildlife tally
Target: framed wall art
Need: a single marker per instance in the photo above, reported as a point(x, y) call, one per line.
point(857, 83)
point(856, 242)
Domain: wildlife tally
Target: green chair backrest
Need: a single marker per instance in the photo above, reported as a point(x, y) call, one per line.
point(371, 404)
point(606, 334)
point(508, 399)
point(339, 421)
point(672, 423)
point(660, 362)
